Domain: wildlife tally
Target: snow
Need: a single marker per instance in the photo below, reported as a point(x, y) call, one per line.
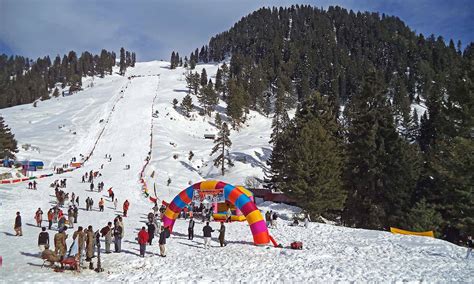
point(330, 253)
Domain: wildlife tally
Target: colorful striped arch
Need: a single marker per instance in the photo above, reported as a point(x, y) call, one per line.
point(233, 195)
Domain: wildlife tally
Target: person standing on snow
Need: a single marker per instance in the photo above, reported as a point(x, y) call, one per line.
point(142, 240)
point(207, 230)
point(92, 186)
point(470, 246)
point(79, 236)
point(222, 235)
point(115, 203)
point(43, 239)
point(151, 231)
point(162, 241)
point(274, 219)
point(101, 205)
point(107, 233)
point(126, 205)
point(60, 243)
point(306, 220)
point(17, 226)
point(89, 243)
point(267, 218)
point(50, 218)
point(39, 217)
point(191, 229)
point(118, 234)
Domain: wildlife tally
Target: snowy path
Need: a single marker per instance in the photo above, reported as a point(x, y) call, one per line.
point(330, 253)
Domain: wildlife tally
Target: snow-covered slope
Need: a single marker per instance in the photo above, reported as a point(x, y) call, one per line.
point(330, 253)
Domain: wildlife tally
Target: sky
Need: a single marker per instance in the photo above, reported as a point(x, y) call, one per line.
point(152, 29)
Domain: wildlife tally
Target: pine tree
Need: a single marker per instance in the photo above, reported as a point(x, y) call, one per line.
point(208, 98)
point(203, 77)
point(236, 103)
point(222, 143)
point(381, 169)
point(122, 64)
point(187, 105)
point(218, 121)
point(172, 60)
point(218, 85)
point(8, 144)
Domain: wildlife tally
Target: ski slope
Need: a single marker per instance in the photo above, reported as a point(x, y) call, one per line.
point(125, 104)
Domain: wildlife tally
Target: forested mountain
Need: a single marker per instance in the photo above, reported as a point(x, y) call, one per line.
point(24, 81)
point(400, 154)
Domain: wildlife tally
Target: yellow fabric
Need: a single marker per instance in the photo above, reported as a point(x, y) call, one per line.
point(254, 217)
point(240, 218)
point(404, 232)
point(245, 191)
point(208, 184)
point(170, 214)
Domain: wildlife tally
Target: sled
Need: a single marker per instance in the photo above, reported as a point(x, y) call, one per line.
point(404, 232)
point(296, 245)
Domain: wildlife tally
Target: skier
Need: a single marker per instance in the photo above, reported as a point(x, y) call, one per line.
point(50, 218)
point(142, 240)
point(162, 241)
point(126, 205)
point(43, 239)
point(191, 229)
point(207, 230)
point(39, 217)
point(107, 233)
point(101, 205)
point(17, 226)
point(151, 231)
point(222, 235)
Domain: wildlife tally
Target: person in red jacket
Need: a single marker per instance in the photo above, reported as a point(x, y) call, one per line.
point(126, 204)
point(142, 241)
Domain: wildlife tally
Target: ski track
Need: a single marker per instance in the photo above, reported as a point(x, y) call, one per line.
point(330, 253)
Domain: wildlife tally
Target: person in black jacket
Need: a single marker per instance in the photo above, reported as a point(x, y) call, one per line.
point(151, 231)
point(162, 241)
point(470, 246)
point(43, 239)
point(207, 230)
point(191, 229)
point(17, 226)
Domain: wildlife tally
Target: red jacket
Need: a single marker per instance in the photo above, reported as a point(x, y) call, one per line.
point(142, 237)
point(125, 205)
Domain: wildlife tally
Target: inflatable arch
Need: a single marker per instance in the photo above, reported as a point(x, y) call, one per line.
point(233, 195)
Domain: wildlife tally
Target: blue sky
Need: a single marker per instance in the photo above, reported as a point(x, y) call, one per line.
point(153, 29)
